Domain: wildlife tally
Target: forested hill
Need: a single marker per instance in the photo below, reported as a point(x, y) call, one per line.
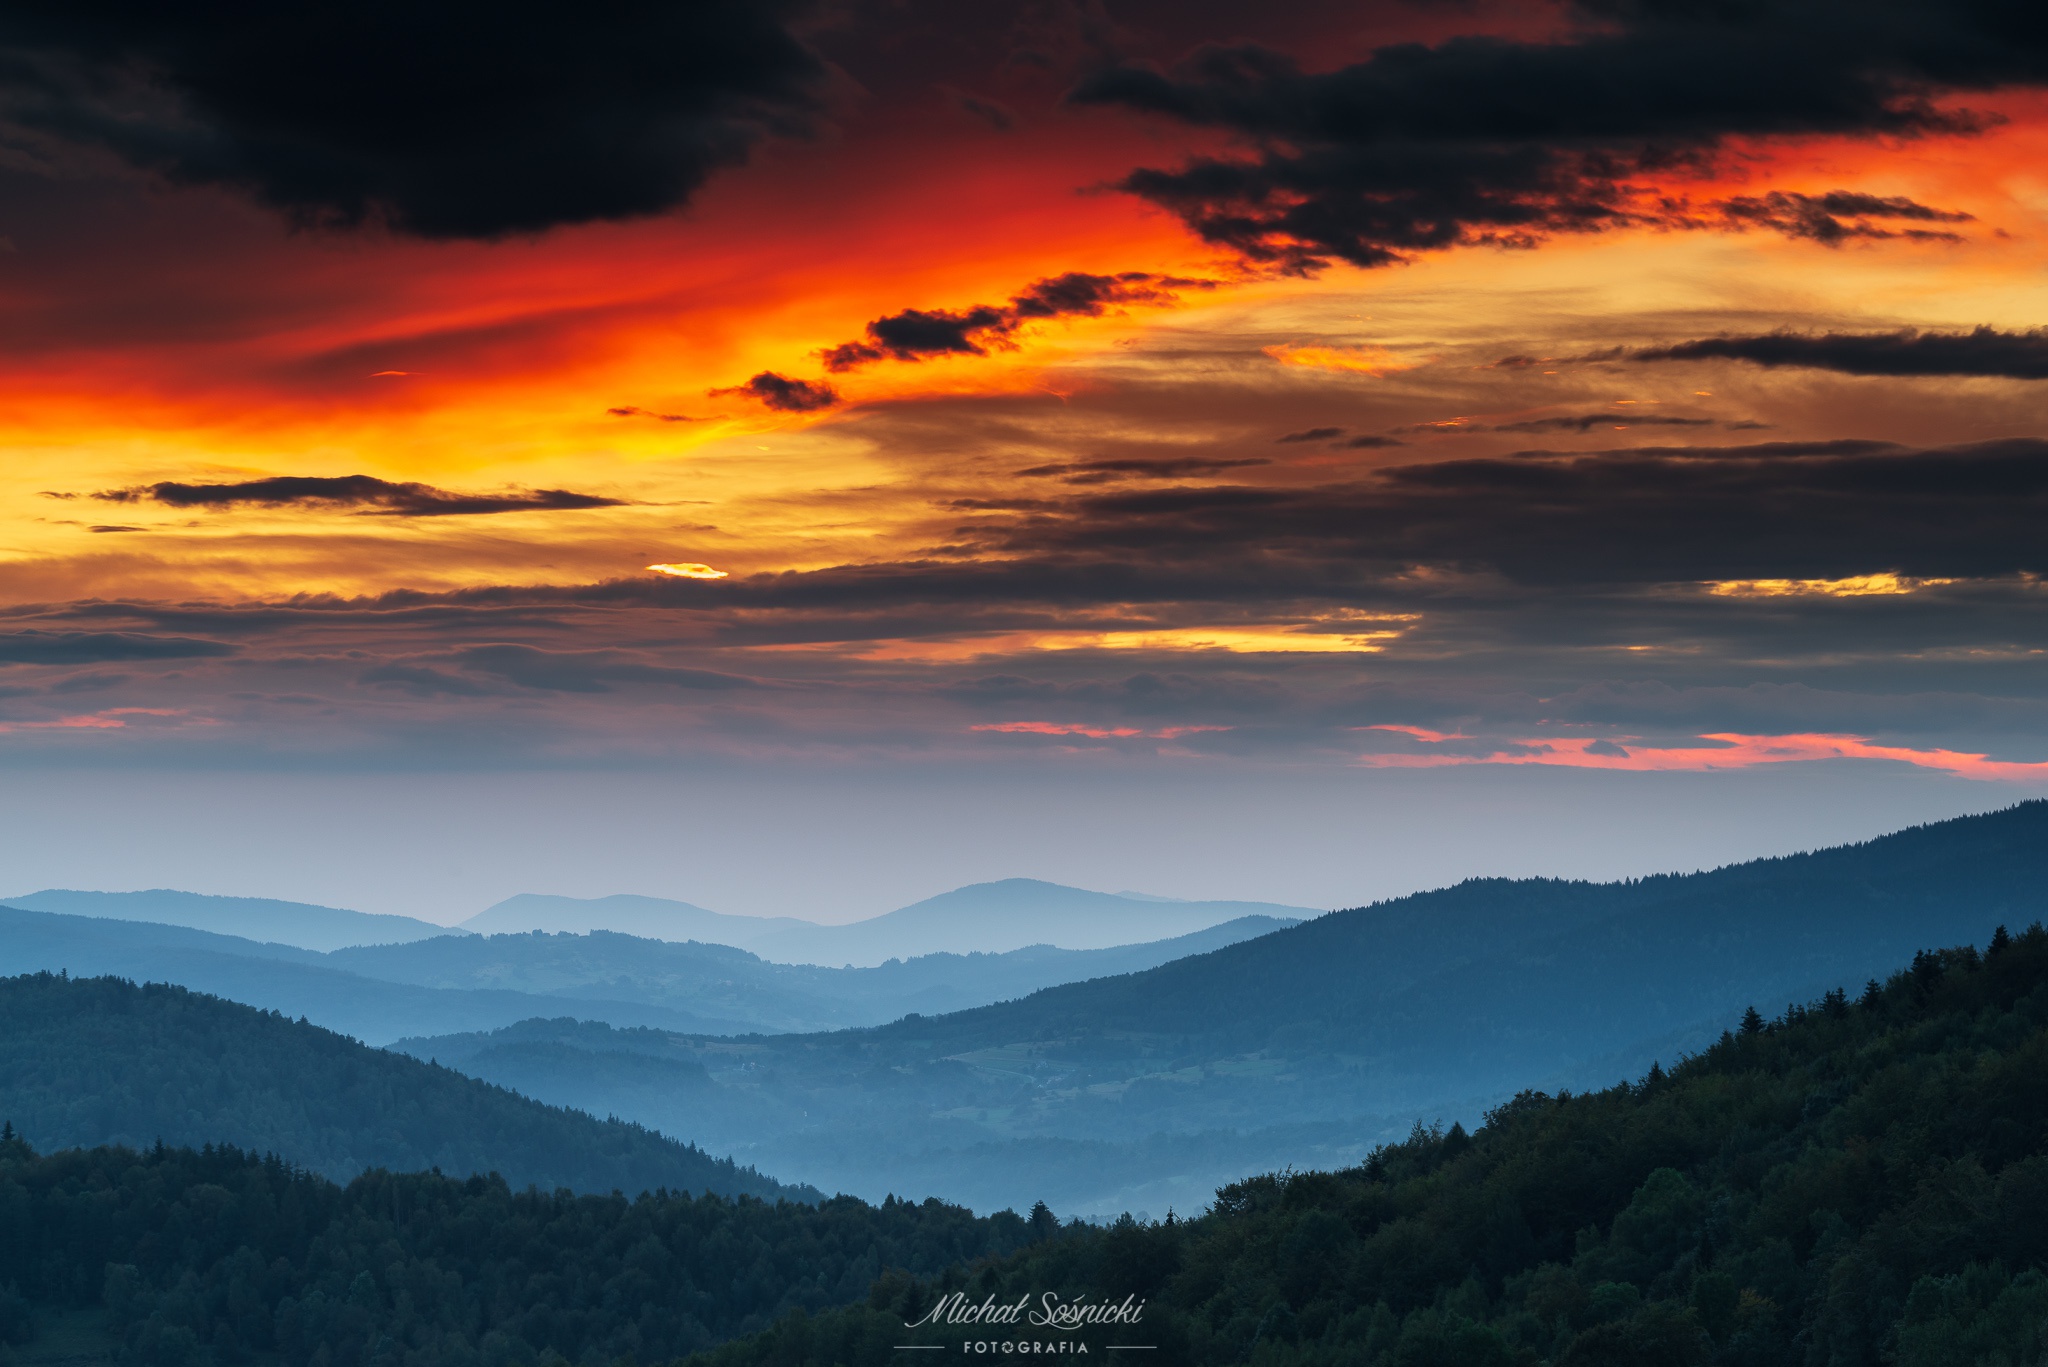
point(100, 1060)
point(1859, 1181)
point(1494, 979)
point(218, 1257)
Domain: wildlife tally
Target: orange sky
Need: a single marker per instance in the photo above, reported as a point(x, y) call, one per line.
point(186, 335)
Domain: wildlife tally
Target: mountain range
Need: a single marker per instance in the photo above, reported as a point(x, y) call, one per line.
point(988, 918)
point(463, 982)
point(300, 924)
point(1292, 1045)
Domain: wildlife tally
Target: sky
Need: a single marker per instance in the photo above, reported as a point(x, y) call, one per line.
point(800, 457)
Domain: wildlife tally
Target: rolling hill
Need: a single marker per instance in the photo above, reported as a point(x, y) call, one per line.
point(300, 924)
point(101, 1061)
point(984, 918)
point(466, 983)
point(1861, 1180)
point(1436, 1004)
point(296, 982)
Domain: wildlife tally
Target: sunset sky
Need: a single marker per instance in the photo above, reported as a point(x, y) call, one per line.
point(991, 408)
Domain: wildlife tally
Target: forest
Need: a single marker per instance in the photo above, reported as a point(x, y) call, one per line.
point(88, 1061)
point(1859, 1179)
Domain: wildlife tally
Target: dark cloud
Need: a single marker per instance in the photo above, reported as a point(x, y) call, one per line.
point(113, 527)
point(1371, 443)
point(1311, 434)
point(1982, 351)
point(994, 113)
point(354, 491)
point(1834, 218)
point(1586, 422)
point(97, 647)
point(1655, 515)
point(915, 334)
point(586, 671)
point(630, 412)
point(461, 119)
point(783, 394)
point(1172, 467)
point(1484, 139)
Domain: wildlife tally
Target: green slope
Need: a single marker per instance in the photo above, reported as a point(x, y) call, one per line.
point(97, 1061)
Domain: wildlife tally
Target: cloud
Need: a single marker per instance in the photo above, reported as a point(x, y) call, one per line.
point(915, 334)
point(586, 671)
point(1815, 511)
point(96, 647)
point(463, 120)
point(1836, 217)
point(422, 682)
point(1311, 434)
point(1586, 422)
point(1981, 351)
point(783, 394)
point(631, 412)
point(1493, 140)
point(1172, 467)
point(354, 491)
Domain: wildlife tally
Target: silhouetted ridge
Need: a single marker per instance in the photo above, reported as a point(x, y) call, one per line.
point(100, 1060)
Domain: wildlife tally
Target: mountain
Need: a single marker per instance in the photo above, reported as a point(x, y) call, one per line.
point(985, 918)
point(996, 917)
point(296, 982)
point(1860, 1181)
point(101, 1061)
point(652, 918)
point(732, 984)
point(1433, 1005)
point(465, 983)
point(254, 918)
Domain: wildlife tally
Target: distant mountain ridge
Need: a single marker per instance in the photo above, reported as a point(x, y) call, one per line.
point(652, 918)
point(981, 918)
point(454, 984)
point(297, 982)
point(301, 924)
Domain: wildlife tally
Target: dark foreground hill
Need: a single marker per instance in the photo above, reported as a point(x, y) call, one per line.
point(1858, 1183)
point(1254, 1055)
point(1861, 1181)
point(93, 1061)
point(218, 1257)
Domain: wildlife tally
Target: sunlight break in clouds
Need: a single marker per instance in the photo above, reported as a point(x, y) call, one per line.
point(1358, 360)
point(1885, 584)
point(688, 569)
point(1733, 751)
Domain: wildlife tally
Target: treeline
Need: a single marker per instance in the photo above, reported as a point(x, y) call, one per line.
point(96, 1060)
point(1860, 1181)
point(223, 1257)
